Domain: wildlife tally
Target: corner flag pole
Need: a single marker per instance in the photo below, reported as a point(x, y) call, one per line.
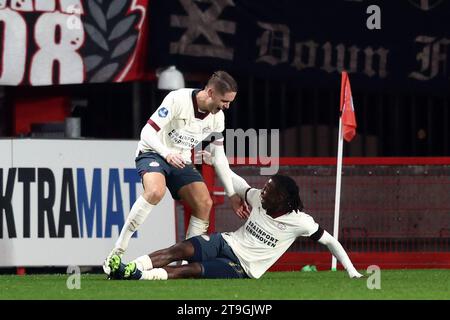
point(347, 131)
point(337, 200)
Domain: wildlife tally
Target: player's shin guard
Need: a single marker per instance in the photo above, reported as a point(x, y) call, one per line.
point(138, 213)
point(155, 274)
point(196, 227)
point(143, 263)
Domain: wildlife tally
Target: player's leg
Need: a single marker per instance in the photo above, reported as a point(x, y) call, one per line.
point(195, 249)
point(197, 196)
point(220, 268)
point(179, 251)
point(216, 257)
point(200, 251)
point(209, 257)
point(120, 271)
point(153, 169)
point(187, 184)
point(191, 270)
point(154, 190)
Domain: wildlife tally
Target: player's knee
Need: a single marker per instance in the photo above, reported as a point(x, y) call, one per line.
point(154, 195)
point(176, 252)
point(205, 205)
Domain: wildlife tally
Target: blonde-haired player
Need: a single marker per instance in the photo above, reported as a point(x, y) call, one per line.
point(163, 156)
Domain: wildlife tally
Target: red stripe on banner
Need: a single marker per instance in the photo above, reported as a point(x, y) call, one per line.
point(154, 125)
point(327, 161)
point(136, 68)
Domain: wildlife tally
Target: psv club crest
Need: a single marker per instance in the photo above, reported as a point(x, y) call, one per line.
point(70, 41)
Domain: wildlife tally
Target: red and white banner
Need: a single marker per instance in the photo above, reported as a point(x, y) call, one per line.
point(49, 42)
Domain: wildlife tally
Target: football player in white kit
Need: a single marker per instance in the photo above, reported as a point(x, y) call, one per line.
point(163, 156)
point(275, 221)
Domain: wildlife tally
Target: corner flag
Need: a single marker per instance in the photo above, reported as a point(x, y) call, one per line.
point(347, 131)
point(347, 109)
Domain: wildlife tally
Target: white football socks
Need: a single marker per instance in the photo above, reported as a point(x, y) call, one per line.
point(138, 213)
point(196, 227)
point(143, 263)
point(155, 274)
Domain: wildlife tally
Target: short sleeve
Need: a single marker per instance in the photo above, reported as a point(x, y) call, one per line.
point(219, 126)
point(219, 122)
point(165, 113)
point(306, 225)
point(253, 197)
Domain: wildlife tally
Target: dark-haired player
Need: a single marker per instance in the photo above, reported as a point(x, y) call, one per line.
point(275, 221)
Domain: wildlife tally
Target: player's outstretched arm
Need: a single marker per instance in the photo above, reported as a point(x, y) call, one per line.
point(339, 252)
point(239, 184)
point(222, 167)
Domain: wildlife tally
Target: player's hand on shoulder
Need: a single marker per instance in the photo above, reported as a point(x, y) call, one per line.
point(240, 207)
point(176, 160)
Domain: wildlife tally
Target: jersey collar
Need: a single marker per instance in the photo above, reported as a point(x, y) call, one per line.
point(197, 113)
point(277, 214)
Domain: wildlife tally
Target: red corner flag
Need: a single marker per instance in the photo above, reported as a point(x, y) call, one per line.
point(347, 110)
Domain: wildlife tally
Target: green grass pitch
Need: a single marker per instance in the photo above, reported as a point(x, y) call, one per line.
point(395, 284)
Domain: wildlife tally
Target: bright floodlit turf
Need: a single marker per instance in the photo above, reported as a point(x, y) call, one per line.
point(395, 284)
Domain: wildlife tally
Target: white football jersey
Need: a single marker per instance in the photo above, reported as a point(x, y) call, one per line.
point(261, 241)
point(180, 124)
